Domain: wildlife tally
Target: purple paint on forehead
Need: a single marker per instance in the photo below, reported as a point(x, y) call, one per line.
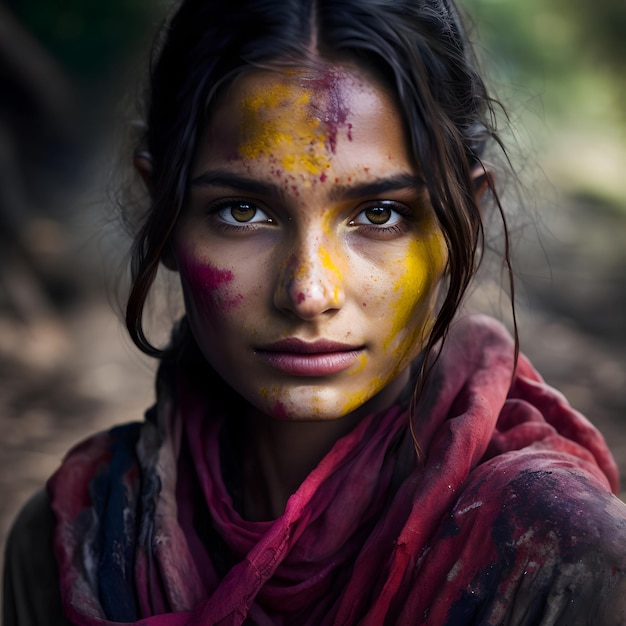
point(331, 104)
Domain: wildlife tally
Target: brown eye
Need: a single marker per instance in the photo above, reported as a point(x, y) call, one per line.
point(384, 213)
point(242, 213)
point(378, 214)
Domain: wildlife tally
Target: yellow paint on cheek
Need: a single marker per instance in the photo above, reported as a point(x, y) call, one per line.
point(279, 123)
point(360, 366)
point(359, 398)
point(414, 294)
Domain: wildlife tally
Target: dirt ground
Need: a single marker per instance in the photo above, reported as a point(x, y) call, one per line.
point(68, 374)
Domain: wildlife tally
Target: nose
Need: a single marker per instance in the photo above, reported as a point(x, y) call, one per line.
point(310, 282)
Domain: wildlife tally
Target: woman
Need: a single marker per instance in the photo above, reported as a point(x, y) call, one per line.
point(328, 446)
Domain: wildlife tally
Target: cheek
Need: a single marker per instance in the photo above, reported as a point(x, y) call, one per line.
point(414, 295)
point(211, 290)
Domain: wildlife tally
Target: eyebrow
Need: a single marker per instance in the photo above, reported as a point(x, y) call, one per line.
point(372, 188)
point(379, 186)
point(219, 178)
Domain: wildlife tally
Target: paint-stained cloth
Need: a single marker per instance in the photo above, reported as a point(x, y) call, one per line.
point(507, 518)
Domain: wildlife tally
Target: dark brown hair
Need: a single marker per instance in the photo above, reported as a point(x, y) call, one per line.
point(417, 48)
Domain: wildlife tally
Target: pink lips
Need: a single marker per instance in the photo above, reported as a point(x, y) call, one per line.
point(301, 358)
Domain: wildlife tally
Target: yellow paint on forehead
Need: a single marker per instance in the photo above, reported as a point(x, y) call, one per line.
point(279, 122)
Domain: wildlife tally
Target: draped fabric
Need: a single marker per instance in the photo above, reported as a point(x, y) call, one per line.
point(506, 517)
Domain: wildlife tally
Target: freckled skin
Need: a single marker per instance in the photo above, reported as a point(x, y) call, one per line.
point(310, 264)
point(302, 140)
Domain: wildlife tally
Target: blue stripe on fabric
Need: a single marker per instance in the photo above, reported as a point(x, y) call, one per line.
point(117, 527)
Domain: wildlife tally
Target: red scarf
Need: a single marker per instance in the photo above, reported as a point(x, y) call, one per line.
point(147, 531)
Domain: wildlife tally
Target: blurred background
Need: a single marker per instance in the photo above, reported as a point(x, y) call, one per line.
point(69, 74)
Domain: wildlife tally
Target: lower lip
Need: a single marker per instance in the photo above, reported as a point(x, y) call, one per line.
point(319, 364)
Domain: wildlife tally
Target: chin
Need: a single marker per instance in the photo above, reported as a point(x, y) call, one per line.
point(308, 408)
point(287, 413)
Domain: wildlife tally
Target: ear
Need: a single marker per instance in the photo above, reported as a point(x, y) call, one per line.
point(142, 162)
point(483, 180)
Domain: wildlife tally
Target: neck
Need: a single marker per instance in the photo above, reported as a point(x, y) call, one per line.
point(279, 455)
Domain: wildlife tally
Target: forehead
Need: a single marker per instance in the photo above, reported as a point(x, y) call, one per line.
point(264, 113)
point(328, 92)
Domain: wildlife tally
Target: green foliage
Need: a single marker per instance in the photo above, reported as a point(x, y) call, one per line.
point(90, 38)
point(567, 50)
point(559, 64)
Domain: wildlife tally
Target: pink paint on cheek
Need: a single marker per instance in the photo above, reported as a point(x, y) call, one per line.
point(301, 298)
point(211, 277)
point(323, 177)
point(210, 285)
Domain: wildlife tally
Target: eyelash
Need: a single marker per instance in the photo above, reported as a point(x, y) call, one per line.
point(398, 227)
point(221, 205)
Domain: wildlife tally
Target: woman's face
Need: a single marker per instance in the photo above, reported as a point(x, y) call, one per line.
point(308, 252)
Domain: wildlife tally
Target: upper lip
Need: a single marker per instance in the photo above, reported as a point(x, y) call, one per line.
point(295, 345)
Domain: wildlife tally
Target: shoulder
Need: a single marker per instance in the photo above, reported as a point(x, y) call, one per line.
point(557, 538)
point(31, 589)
